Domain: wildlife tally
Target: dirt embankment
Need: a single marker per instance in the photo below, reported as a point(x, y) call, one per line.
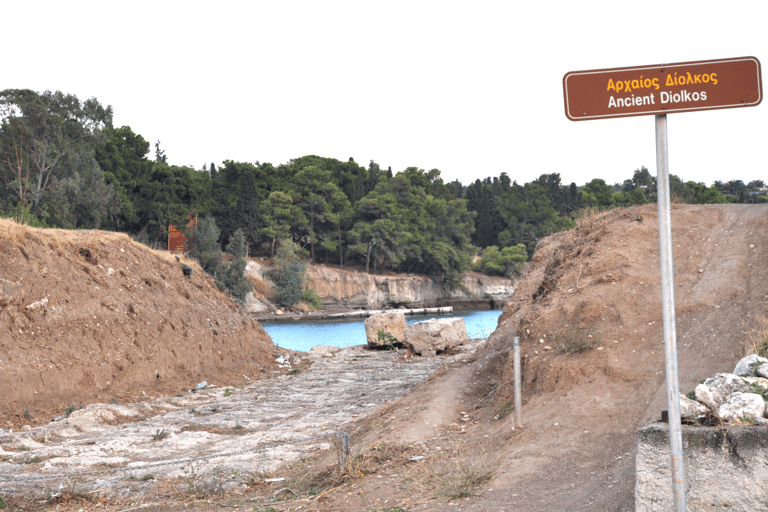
point(589, 316)
point(90, 316)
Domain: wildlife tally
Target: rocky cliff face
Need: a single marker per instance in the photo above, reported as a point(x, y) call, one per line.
point(351, 289)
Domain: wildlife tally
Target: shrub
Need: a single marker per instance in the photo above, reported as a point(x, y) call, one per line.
point(206, 248)
point(233, 277)
point(289, 274)
point(311, 297)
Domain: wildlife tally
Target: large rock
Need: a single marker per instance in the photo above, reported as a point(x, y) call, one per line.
point(691, 408)
point(432, 336)
point(391, 322)
point(752, 365)
point(742, 406)
point(715, 391)
point(255, 306)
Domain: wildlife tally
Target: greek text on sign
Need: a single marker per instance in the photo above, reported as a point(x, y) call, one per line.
point(662, 89)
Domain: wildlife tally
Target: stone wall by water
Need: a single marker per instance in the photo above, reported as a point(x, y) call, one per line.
point(351, 289)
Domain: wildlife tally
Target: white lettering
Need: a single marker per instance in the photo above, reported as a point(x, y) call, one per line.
point(683, 96)
point(632, 101)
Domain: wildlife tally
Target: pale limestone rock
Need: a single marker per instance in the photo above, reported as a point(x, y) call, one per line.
point(432, 336)
point(743, 366)
point(742, 405)
point(254, 305)
point(715, 391)
point(254, 269)
point(352, 289)
point(691, 408)
point(323, 351)
point(392, 322)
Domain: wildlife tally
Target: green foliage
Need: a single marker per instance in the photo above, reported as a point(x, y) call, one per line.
point(72, 408)
point(186, 270)
point(160, 435)
point(234, 280)
point(311, 297)
point(23, 216)
point(389, 340)
point(529, 216)
point(47, 164)
point(206, 247)
point(289, 274)
point(754, 387)
point(597, 193)
point(2, 502)
point(700, 194)
point(280, 216)
point(502, 262)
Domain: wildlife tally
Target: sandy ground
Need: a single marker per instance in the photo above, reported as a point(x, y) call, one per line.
point(589, 315)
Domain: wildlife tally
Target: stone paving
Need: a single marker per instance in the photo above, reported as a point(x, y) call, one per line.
point(258, 428)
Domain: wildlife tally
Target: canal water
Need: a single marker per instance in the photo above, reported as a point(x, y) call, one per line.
point(346, 333)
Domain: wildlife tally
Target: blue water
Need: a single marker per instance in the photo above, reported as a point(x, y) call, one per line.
point(346, 333)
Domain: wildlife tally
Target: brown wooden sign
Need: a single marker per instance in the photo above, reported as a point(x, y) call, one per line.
point(662, 89)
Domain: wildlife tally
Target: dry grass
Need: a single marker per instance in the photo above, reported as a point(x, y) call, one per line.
point(261, 287)
point(14, 233)
point(463, 483)
point(365, 461)
point(757, 338)
point(589, 223)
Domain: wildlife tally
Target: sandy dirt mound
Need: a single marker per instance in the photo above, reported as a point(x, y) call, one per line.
point(89, 316)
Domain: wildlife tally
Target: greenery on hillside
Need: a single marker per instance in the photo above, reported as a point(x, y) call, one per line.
point(63, 164)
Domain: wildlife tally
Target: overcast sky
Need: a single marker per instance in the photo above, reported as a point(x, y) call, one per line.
point(472, 88)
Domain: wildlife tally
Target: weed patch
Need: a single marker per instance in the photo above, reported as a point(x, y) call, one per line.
point(757, 339)
point(463, 484)
point(576, 339)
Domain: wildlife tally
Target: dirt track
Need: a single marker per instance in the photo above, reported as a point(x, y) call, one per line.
point(576, 450)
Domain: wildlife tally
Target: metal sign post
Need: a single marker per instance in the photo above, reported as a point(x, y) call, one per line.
point(658, 90)
point(668, 315)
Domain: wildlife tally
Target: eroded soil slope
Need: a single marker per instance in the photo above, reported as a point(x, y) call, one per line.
point(596, 288)
point(88, 316)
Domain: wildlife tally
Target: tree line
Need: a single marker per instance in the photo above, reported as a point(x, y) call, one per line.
point(64, 165)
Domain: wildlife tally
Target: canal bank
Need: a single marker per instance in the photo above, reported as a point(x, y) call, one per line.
point(344, 290)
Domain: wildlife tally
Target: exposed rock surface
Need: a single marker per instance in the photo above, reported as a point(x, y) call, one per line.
point(391, 322)
point(351, 289)
point(436, 335)
point(752, 365)
point(164, 434)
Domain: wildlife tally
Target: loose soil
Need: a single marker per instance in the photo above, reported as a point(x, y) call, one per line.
point(588, 312)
